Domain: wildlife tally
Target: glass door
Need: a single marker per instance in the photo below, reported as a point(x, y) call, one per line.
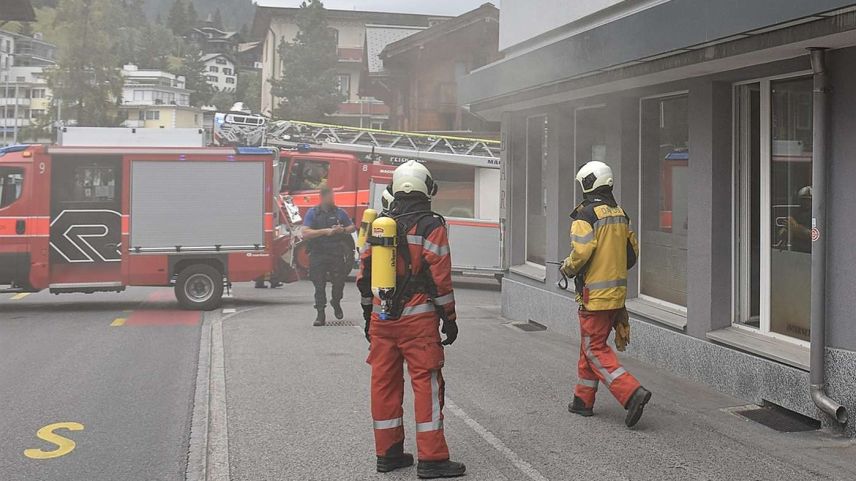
point(773, 166)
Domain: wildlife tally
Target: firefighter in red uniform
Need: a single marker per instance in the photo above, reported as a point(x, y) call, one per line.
point(603, 248)
point(411, 331)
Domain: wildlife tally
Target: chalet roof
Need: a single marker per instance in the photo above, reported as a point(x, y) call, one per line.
point(486, 12)
point(378, 37)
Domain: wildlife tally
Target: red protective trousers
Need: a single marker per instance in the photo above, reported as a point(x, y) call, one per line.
point(598, 362)
point(424, 356)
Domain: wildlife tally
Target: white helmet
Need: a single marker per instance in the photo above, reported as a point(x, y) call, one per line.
point(413, 177)
point(593, 175)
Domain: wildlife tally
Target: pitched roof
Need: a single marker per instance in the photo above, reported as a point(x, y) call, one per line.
point(377, 39)
point(486, 12)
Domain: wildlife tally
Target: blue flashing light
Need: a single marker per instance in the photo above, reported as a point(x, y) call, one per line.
point(304, 148)
point(255, 151)
point(11, 149)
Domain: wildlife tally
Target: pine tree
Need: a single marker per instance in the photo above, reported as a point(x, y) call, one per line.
point(177, 19)
point(194, 70)
point(25, 29)
point(86, 79)
point(218, 19)
point(308, 88)
point(192, 16)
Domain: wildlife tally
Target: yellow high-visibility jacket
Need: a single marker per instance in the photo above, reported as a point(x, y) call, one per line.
point(603, 249)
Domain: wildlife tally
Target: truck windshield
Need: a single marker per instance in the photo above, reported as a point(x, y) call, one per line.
point(11, 185)
point(308, 174)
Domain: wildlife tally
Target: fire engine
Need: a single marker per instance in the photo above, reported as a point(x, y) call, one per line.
point(357, 164)
point(99, 218)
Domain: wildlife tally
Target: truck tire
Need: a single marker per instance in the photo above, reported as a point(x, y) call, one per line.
point(199, 287)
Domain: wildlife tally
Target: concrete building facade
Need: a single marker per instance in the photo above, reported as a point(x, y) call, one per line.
point(274, 24)
point(220, 72)
point(730, 143)
point(25, 98)
point(156, 99)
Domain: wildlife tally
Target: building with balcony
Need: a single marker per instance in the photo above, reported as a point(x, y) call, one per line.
point(732, 147)
point(157, 99)
point(416, 71)
point(273, 23)
point(24, 95)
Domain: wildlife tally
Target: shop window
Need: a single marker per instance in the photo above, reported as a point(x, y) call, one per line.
point(11, 185)
point(664, 220)
point(589, 140)
point(773, 206)
point(308, 175)
point(536, 190)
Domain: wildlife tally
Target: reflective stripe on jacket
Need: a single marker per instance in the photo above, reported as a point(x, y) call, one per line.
point(603, 248)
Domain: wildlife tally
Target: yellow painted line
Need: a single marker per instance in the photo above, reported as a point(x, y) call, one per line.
point(63, 444)
point(119, 321)
point(20, 296)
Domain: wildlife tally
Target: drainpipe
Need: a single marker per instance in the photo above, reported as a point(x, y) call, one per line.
point(818, 250)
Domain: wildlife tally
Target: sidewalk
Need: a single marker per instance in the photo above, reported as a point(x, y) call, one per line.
point(298, 407)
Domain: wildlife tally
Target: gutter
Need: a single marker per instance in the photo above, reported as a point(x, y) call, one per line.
point(818, 250)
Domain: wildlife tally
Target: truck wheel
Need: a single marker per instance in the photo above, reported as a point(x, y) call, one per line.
point(199, 287)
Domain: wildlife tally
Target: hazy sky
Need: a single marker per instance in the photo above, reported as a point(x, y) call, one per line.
point(438, 7)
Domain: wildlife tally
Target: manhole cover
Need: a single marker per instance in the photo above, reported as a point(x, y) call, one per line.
point(339, 324)
point(530, 326)
point(778, 418)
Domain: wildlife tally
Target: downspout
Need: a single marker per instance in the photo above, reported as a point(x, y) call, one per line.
point(818, 250)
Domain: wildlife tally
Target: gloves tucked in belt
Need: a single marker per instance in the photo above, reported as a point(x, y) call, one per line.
point(367, 316)
point(450, 329)
point(566, 268)
point(622, 329)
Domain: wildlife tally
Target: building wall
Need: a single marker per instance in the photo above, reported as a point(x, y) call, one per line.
point(220, 79)
point(529, 292)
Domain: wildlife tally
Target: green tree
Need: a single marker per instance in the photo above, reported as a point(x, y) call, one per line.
point(86, 79)
point(161, 44)
point(249, 90)
point(177, 19)
point(192, 16)
point(223, 101)
point(307, 89)
point(194, 70)
point(218, 19)
point(25, 29)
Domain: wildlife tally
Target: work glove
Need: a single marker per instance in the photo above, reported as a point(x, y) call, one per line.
point(622, 329)
point(450, 329)
point(566, 268)
point(367, 316)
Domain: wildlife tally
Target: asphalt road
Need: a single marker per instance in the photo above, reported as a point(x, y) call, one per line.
point(130, 386)
point(298, 408)
point(290, 402)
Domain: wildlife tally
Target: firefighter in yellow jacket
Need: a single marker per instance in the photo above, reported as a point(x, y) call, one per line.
point(603, 249)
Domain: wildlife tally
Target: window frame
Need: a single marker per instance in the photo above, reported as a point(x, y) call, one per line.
point(739, 224)
point(682, 310)
point(541, 188)
point(13, 170)
point(576, 166)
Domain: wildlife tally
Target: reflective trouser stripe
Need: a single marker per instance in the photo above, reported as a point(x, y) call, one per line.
point(606, 284)
point(436, 422)
point(410, 310)
point(388, 423)
point(608, 377)
point(443, 300)
point(592, 383)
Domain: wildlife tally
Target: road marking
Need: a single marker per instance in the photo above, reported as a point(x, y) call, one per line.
point(497, 443)
point(119, 321)
point(229, 311)
point(20, 296)
point(63, 444)
point(218, 433)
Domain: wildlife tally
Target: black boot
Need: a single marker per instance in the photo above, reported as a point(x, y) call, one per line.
point(260, 284)
point(440, 469)
point(635, 406)
point(579, 407)
point(337, 310)
point(395, 458)
point(321, 318)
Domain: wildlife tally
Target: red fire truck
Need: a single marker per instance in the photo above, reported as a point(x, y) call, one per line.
point(358, 163)
point(98, 218)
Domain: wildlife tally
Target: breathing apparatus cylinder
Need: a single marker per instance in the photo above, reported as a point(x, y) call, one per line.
point(383, 245)
point(369, 216)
